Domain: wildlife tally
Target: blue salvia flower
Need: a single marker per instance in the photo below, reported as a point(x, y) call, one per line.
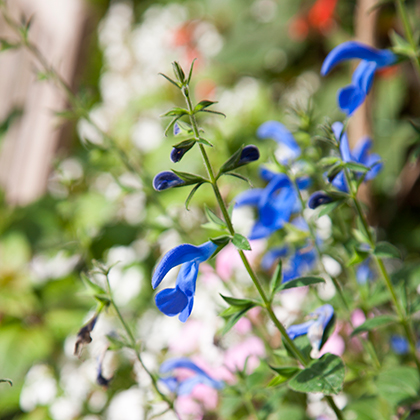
point(364, 272)
point(186, 386)
point(399, 344)
point(360, 154)
point(298, 264)
point(275, 203)
point(165, 180)
point(278, 132)
point(314, 328)
point(318, 198)
point(352, 96)
point(180, 300)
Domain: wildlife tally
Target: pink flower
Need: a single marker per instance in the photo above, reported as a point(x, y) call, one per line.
point(228, 259)
point(334, 345)
point(249, 350)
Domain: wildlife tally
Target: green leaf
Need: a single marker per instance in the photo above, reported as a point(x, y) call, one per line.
point(9, 381)
point(399, 385)
point(329, 160)
point(240, 303)
point(179, 73)
point(334, 170)
point(171, 124)
point(324, 375)
point(175, 112)
point(116, 343)
point(221, 240)
point(328, 208)
point(203, 105)
point(241, 242)
point(214, 112)
point(275, 282)
point(386, 250)
point(301, 281)
point(400, 45)
point(241, 177)
point(357, 257)
point(93, 288)
point(204, 141)
point(356, 167)
point(284, 373)
point(372, 323)
point(190, 72)
point(212, 217)
point(232, 320)
point(178, 85)
point(191, 195)
point(232, 162)
point(190, 178)
point(185, 143)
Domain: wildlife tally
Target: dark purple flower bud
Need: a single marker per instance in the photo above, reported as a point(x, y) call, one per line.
point(318, 198)
point(83, 336)
point(249, 154)
point(165, 180)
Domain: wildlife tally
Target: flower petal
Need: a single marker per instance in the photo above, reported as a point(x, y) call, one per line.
point(249, 197)
point(351, 49)
point(299, 329)
point(278, 132)
point(350, 98)
point(180, 255)
point(171, 301)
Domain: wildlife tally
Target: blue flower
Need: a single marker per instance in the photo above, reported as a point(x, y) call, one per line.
point(352, 96)
point(275, 203)
point(165, 180)
point(364, 272)
point(399, 344)
point(278, 132)
point(314, 328)
point(360, 154)
point(186, 386)
point(180, 300)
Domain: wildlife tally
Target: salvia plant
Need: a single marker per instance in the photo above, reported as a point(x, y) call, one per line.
point(317, 313)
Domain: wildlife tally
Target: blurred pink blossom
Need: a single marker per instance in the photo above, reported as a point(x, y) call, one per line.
point(228, 259)
point(335, 344)
point(252, 348)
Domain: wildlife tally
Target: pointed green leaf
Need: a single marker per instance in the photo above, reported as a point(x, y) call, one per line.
point(171, 124)
point(185, 143)
point(203, 105)
point(191, 195)
point(190, 72)
point(179, 73)
point(189, 178)
point(9, 381)
point(301, 281)
point(116, 343)
point(329, 160)
point(241, 242)
point(175, 112)
point(204, 141)
point(284, 373)
point(178, 85)
point(231, 321)
point(356, 167)
point(241, 177)
point(213, 112)
point(372, 323)
point(328, 208)
point(221, 240)
point(212, 217)
point(92, 287)
point(334, 170)
point(238, 302)
point(386, 250)
point(324, 375)
point(275, 282)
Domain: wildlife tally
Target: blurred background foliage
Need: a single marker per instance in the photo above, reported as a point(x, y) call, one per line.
point(260, 59)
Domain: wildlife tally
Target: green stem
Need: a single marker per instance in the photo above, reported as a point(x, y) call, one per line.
point(381, 266)
point(267, 304)
point(409, 35)
point(369, 347)
point(133, 346)
point(333, 405)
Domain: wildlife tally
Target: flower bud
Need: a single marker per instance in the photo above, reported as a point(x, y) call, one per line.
point(165, 180)
point(318, 198)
